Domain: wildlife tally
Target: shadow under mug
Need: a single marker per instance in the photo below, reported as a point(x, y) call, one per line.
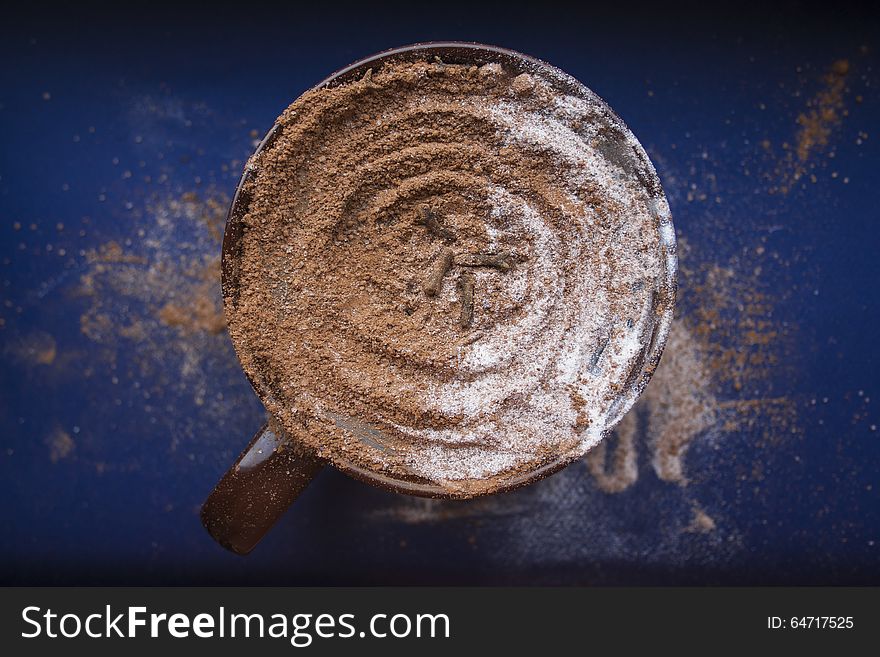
point(276, 467)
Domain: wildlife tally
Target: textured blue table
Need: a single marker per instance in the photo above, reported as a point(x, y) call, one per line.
point(754, 455)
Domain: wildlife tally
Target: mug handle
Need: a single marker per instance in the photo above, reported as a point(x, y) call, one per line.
point(254, 493)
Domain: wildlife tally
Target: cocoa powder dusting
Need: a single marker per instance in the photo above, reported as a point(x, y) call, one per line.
point(451, 273)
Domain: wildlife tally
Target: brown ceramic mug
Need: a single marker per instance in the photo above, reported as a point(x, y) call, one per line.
point(275, 466)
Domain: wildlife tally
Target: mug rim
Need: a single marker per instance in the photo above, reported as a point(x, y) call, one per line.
point(479, 53)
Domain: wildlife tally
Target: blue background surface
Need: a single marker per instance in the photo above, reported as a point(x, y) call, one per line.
point(131, 128)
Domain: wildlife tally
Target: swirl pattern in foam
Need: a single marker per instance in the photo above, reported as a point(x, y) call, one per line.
point(453, 274)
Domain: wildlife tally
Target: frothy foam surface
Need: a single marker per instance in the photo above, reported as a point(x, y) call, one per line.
point(430, 171)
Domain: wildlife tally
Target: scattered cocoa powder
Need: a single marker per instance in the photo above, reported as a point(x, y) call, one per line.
point(60, 444)
point(822, 116)
point(195, 308)
point(702, 522)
